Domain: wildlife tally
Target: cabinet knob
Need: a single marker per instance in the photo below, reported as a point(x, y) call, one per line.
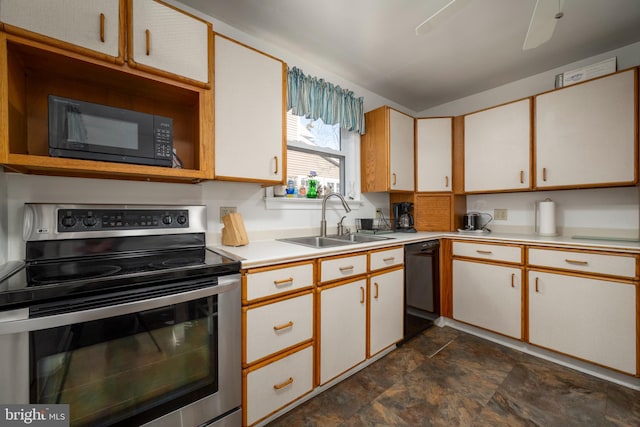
point(544, 174)
point(287, 281)
point(395, 178)
point(446, 182)
point(287, 325)
point(376, 286)
point(102, 27)
point(575, 261)
point(147, 34)
point(284, 384)
point(537, 289)
point(275, 159)
point(521, 177)
point(346, 268)
point(513, 280)
point(361, 295)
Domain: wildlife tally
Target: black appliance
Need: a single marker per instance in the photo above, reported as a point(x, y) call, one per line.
point(127, 305)
point(84, 130)
point(403, 217)
point(422, 286)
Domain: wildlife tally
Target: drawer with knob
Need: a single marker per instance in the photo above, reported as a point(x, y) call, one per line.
point(276, 326)
point(272, 386)
point(260, 283)
point(342, 267)
point(591, 262)
point(487, 251)
point(386, 258)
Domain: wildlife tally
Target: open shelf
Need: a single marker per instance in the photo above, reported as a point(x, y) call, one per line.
point(33, 71)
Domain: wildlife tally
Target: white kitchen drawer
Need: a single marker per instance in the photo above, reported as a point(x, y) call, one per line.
point(587, 262)
point(277, 384)
point(342, 267)
point(502, 253)
point(274, 281)
point(274, 327)
point(386, 258)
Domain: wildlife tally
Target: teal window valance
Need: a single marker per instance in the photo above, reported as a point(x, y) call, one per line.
point(318, 99)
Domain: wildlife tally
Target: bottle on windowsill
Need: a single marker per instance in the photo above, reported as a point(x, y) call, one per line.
point(312, 183)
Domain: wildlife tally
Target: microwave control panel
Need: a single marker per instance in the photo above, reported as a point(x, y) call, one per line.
point(163, 137)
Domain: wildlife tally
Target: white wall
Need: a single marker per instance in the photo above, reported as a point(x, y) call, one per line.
point(4, 234)
point(602, 212)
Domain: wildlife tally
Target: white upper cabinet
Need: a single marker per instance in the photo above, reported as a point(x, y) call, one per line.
point(433, 154)
point(401, 135)
point(164, 38)
point(497, 148)
point(249, 114)
point(89, 24)
point(586, 133)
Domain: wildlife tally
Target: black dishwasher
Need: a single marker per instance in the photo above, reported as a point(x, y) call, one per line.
point(422, 286)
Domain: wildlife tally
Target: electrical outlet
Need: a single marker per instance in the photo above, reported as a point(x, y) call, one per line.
point(226, 210)
point(500, 214)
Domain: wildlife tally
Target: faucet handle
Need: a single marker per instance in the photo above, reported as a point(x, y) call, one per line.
point(340, 226)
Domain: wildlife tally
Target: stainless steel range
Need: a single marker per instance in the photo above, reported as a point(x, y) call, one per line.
point(124, 314)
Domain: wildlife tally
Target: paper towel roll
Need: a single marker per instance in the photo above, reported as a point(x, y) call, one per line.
point(547, 218)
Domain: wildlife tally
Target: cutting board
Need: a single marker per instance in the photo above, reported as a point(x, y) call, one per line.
point(234, 233)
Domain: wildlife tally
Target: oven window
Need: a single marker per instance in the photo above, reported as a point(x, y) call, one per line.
point(130, 368)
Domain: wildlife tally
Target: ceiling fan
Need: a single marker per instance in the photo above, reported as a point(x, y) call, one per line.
point(543, 21)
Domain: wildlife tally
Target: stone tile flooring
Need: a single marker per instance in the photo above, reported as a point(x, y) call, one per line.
point(445, 377)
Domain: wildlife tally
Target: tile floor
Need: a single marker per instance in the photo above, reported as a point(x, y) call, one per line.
point(445, 377)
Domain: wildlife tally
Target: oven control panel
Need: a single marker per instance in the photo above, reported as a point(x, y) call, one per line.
point(79, 220)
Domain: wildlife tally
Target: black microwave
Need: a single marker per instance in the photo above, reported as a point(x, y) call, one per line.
point(83, 130)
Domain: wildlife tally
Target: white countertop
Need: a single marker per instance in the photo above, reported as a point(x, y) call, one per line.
point(267, 252)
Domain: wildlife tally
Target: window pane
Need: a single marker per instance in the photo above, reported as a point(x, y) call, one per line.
point(314, 133)
point(329, 170)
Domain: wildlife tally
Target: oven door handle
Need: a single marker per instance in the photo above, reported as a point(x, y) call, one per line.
point(21, 323)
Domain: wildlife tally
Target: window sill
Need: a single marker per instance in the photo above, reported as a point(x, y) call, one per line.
point(284, 203)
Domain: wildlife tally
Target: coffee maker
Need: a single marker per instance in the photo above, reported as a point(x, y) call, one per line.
point(403, 218)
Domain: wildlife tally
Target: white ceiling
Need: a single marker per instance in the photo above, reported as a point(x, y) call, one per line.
point(373, 42)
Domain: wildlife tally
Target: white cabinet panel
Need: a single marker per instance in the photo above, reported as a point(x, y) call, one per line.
point(586, 133)
point(587, 318)
point(249, 113)
point(401, 149)
point(278, 280)
point(386, 258)
point(586, 262)
point(434, 154)
point(342, 267)
point(488, 296)
point(167, 39)
point(497, 148)
point(488, 252)
point(343, 328)
point(277, 384)
point(274, 327)
point(386, 305)
point(72, 21)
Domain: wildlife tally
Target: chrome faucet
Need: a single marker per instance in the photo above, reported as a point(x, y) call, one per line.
point(323, 221)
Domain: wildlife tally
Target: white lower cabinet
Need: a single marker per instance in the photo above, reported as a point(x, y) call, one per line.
point(592, 319)
point(343, 328)
point(278, 383)
point(488, 296)
point(386, 305)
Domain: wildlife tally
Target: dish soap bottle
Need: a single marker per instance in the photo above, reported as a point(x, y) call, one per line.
point(312, 185)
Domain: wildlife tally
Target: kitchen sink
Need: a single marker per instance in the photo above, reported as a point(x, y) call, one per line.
point(316, 241)
point(359, 238)
point(331, 241)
